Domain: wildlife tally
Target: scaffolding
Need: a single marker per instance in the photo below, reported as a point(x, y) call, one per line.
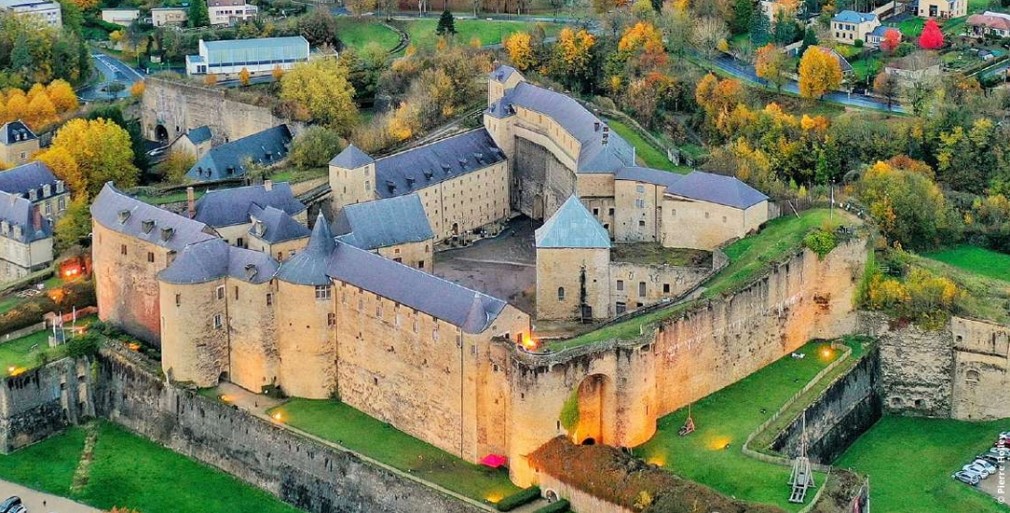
point(802, 477)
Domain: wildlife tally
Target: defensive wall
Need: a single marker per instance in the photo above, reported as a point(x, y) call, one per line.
point(622, 387)
point(43, 401)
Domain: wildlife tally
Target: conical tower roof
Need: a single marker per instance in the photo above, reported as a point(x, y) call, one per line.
point(572, 226)
point(308, 267)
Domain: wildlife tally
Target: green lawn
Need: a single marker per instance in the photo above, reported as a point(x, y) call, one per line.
point(912, 27)
point(422, 32)
point(650, 155)
point(910, 460)
point(337, 422)
point(867, 67)
point(18, 353)
point(728, 417)
point(749, 257)
point(130, 471)
point(357, 33)
point(978, 260)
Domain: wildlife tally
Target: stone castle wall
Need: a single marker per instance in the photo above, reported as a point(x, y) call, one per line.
point(43, 401)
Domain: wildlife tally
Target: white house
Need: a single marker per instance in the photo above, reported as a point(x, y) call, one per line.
point(123, 17)
point(230, 12)
point(48, 12)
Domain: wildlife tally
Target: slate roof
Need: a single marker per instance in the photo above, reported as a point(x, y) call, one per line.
point(648, 175)
point(572, 226)
point(382, 223)
point(33, 175)
point(199, 134)
point(14, 132)
point(351, 158)
point(881, 31)
point(598, 154)
point(503, 72)
point(420, 167)
point(214, 259)
point(228, 207)
point(277, 225)
point(849, 16)
point(18, 211)
point(470, 310)
point(110, 203)
point(228, 160)
point(724, 190)
point(308, 266)
point(257, 43)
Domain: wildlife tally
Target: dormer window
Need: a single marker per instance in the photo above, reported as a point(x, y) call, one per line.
point(47, 190)
point(258, 228)
point(6, 227)
point(147, 225)
point(166, 233)
point(59, 186)
point(17, 231)
point(33, 194)
point(250, 271)
point(123, 216)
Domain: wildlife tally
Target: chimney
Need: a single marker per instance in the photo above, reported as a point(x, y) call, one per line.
point(596, 126)
point(190, 202)
point(268, 185)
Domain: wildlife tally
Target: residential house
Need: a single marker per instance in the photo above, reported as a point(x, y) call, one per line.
point(196, 142)
point(48, 13)
point(26, 238)
point(122, 17)
point(847, 27)
point(989, 23)
point(942, 9)
point(169, 16)
point(17, 143)
point(36, 183)
point(230, 12)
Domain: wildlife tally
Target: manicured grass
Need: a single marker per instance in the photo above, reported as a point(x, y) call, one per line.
point(175, 197)
point(984, 297)
point(978, 260)
point(18, 353)
point(48, 465)
point(342, 424)
point(650, 155)
point(422, 32)
point(356, 33)
point(868, 66)
point(910, 460)
point(912, 27)
point(728, 417)
point(748, 258)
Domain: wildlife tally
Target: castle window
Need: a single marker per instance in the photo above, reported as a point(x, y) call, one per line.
point(178, 300)
point(611, 212)
point(641, 289)
point(420, 264)
point(561, 293)
point(367, 186)
point(641, 222)
point(434, 333)
point(322, 292)
point(596, 211)
point(640, 203)
point(218, 323)
point(639, 188)
point(724, 219)
point(270, 299)
point(973, 375)
point(414, 325)
point(706, 215)
point(620, 284)
point(331, 319)
point(236, 292)
point(150, 256)
point(620, 308)
point(219, 292)
point(122, 249)
point(666, 288)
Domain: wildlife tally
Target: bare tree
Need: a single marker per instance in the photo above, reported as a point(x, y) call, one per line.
point(707, 34)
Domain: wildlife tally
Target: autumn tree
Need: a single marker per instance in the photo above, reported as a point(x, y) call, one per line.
point(573, 54)
point(277, 73)
point(886, 85)
point(210, 79)
point(321, 86)
point(88, 153)
point(931, 37)
point(676, 23)
point(771, 64)
point(642, 43)
point(41, 111)
point(137, 89)
point(62, 95)
point(314, 147)
point(318, 27)
point(820, 72)
point(891, 40)
point(243, 76)
point(176, 165)
point(707, 34)
point(519, 47)
point(906, 204)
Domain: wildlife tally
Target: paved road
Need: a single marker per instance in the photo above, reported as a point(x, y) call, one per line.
point(112, 70)
point(745, 71)
point(33, 500)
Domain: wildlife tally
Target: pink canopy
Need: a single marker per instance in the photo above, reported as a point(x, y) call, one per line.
point(494, 460)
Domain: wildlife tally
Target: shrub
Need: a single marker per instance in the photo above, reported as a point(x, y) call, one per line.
point(555, 507)
point(82, 346)
point(30, 311)
point(820, 241)
point(519, 498)
point(858, 43)
point(570, 411)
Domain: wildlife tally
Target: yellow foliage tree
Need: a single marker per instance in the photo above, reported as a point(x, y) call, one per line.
point(65, 167)
point(36, 90)
point(404, 122)
point(820, 72)
point(62, 95)
point(771, 65)
point(519, 47)
point(475, 42)
point(137, 89)
point(277, 73)
point(17, 106)
point(210, 79)
point(41, 111)
point(117, 36)
point(322, 88)
point(88, 153)
point(574, 51)
point(243, 76)
point(85, 4)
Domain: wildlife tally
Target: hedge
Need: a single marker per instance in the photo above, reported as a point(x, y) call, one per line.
point(31, 310)
point(555, 507)
point(520, 498)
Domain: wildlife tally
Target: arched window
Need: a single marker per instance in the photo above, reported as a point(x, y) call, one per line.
point(561, 293)
point(973, 375)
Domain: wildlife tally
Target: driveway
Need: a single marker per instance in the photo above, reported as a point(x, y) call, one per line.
point(33, 500)
point(112, 70)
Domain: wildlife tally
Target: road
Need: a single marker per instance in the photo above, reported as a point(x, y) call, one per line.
point(112, 70)
point(745, 71)
point(33, 500)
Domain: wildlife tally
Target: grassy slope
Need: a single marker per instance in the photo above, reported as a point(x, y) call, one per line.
point(355, 430)
point(358, 33)
point(909, 461)
point(729, 416)
point(647, 153)
point(985, 296)
point(17, 353)
point(748, 258)
point(977, 260)
point(422, 32)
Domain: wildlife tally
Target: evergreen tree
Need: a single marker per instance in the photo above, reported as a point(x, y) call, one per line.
point(742, 14)
point(784, 31)
point(760, 30)
point(657, 5)
point(198, 15)
point(446, 24)
point(21, 56)
point(809, 39)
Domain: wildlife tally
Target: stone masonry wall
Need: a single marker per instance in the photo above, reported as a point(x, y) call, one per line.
point(301, 472)
point(849, 407)
point(43, 401)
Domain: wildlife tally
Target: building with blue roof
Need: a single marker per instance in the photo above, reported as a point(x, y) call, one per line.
point(196, 142)
point(258, 56)
point(26, 238)
point(232, 159)
point(232, 212)
point(848, 26)
point(36, 183)
point(396, 228)
point(17, 143)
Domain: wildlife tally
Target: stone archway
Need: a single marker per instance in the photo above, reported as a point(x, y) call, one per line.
point(161, 133)
point(597, 411)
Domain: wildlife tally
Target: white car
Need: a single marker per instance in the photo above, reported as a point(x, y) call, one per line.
point(978, 469)
point(989, 467)
point(966, 477)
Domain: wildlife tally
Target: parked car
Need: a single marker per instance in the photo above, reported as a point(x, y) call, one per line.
point(989, 467)
point(966, 477)
point(991, 458)
point(978, 469)
point(1000, 452)
point(11, 505)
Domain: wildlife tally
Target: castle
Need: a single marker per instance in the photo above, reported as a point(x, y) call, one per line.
point(244, 289)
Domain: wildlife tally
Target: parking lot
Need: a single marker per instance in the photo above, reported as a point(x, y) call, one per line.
point(38, 502)
point(988, 470)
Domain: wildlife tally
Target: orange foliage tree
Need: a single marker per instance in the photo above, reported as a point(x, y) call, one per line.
point(772, 65)
point(519, 47)
point(820, 72)
point(645, 41)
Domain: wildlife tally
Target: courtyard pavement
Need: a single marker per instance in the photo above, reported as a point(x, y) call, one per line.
point(33, 500)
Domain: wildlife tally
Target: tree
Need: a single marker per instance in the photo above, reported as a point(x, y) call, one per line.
point(760, 30)
point(707, 34)
point(820, 72)
point(41, 111)
point(62, 95)
point(519, 47)
point(677, 23)
point(318, 27)
point(446, 24)
point(21, 56)
point(322, 88)
point(210, 79)
point(742, 13)
point(573, 54)
point(176, 165)
point(137, 89)
point(243, 77)
point(88, 153)
point(198, 15)
point(892, 38)
point(906, 204)
point(809, 39)
point(277, 73)
point(359, 7)
point(314, 147)
point(931, 37)
point(771, 64)
point(784, 28)
point(886, 85)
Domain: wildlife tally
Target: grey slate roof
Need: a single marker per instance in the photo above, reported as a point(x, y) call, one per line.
point(228, 160)
point(470, 310)
point(308, 266)
point(15, 132)
point(598, 154)
point(228, 207)
point(277, 225)
point(18, 211)
point(214, 259)
point(442, 160)
point(724, 190)
point(503, 72)
point(381, 223)
point(199, 134)
point(33, 175)
point(111, 205)
point(572, 226)
point(351, 158)
point(849, 16)
point(648, 175)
